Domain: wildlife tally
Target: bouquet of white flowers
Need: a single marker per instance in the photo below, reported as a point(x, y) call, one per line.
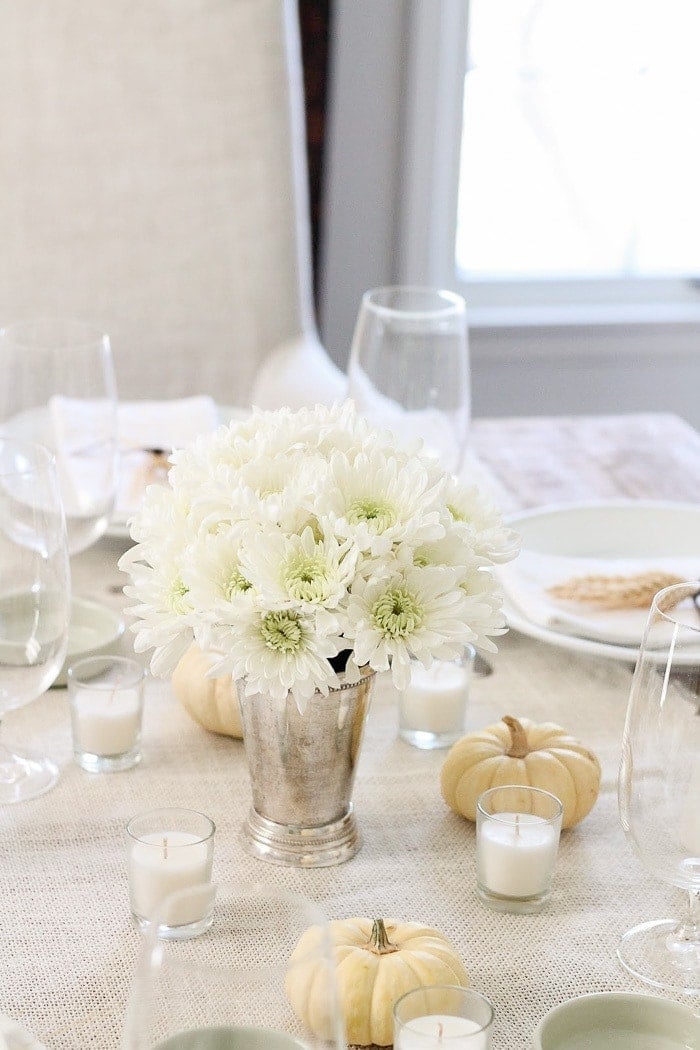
point(301, 544)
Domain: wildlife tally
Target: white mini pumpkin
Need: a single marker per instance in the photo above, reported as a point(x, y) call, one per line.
point(521, 752)
point(211, 702)
point(376, 963)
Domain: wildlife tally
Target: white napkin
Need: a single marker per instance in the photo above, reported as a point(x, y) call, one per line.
point(82, 432)
point(525, 582)
point(163, 425)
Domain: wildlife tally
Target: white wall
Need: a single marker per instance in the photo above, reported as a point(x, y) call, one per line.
point(571, 371)
point(363, 162)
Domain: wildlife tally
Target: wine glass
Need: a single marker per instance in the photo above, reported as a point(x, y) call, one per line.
point(63, 394)
point(234, 986)
point(409, 367)
point(34, 600)
point(659, 785)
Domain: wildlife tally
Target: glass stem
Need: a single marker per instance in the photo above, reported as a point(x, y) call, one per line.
point(8, 764)
point(692, 920)
point(684, 940)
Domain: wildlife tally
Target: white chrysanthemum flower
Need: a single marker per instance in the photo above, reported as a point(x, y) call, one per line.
point(318, 428)
point(484, 607)
point(346, 431)
point(215, 581)
point(162, 521)
point(378, 501)
point(299, 570)
point(420, 612)
point(278, 651)
point(453, 549)
point(165, 619)
point(207, 454)
point(485, 616)
point(475, 515)
point(290, 536)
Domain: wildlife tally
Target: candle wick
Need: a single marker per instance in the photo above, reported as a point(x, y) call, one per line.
point(440, 1031)
point(165, 847)
point(114, 690)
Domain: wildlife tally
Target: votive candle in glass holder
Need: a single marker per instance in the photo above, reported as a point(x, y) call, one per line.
point(433, 707)
point(517, 839)
point(171, 850)
point(106, 708)
point(443, 1017)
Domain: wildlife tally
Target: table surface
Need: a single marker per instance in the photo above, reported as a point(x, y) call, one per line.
point(68, 947)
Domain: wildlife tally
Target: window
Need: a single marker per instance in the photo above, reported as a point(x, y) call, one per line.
point(580, 158)
point(560, 199)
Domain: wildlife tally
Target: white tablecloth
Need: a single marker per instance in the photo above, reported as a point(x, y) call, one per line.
point(68, 946)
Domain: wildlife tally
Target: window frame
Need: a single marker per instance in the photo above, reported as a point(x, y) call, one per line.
point(390, 200)
point(428, 220)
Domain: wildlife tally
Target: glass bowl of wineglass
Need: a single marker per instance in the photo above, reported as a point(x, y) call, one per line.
point(659, 786)
point(409, 367)
point(229, 988)
point(63, 395)
point(34, 600)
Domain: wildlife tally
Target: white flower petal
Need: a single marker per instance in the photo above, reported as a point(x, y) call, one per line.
point(283, 540)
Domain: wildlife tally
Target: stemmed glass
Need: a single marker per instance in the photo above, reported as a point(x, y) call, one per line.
point(659, 785)
point(61, 392)
point(34, 600)
point(233, 986)
point(409, 367)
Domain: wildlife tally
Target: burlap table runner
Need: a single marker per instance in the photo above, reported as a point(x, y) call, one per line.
point(69, 949)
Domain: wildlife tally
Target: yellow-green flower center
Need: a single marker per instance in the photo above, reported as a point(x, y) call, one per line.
point(283, 632)
point(457, 514)
point(177, 597)
point(235, 584)
point(306, 578)
point(377, 513)
point(397, 614)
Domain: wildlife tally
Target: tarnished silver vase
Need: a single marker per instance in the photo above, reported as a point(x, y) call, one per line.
point(302, 769)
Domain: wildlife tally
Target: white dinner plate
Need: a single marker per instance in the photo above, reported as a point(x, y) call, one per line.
point(94, 629)
point(604, 530)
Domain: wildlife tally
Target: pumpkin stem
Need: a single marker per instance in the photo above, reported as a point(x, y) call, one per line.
point(519, 747)
point(379, 939)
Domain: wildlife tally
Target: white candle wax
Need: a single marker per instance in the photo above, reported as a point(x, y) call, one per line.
point(106, 722)
point(435, 699)
point(163, 862)
point(515, 857)
point(441, 1032)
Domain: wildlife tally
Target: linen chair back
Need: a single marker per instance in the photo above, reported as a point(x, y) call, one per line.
point(153, 181)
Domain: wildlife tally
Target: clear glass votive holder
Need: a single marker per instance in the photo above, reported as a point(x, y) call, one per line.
point(170, 850)
point(443, 1017)
point(433, 707)
point(517, 839)
point(106, 708)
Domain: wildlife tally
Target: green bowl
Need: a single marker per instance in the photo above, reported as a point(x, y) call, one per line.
point(618, 1021)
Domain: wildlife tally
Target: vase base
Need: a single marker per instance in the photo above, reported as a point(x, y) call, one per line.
point(299, 847)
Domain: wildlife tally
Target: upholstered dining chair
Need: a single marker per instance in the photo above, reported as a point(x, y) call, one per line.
point(153, 181)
